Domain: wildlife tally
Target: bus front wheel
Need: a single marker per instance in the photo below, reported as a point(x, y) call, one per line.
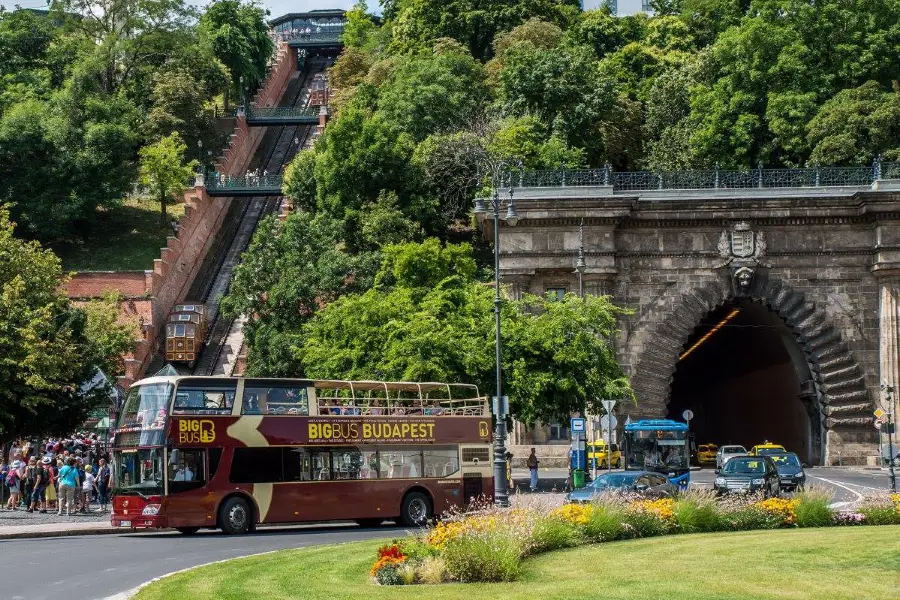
point(234, 516)
point(416, 509)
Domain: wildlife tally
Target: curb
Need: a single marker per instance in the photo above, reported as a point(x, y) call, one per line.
point(19, 535)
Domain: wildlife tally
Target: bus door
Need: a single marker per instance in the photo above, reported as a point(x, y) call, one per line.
point(189, 504)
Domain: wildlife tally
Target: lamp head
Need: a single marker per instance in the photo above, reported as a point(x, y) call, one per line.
point(480, 208)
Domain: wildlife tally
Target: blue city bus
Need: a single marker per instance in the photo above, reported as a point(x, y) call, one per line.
point(658, 445)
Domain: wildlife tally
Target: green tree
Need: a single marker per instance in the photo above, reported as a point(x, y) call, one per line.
point(289, 271)
point(427, 318)
point(238, 35)
point(164, 170)
point(46, 347)
point(474, 23)
point(855, 126)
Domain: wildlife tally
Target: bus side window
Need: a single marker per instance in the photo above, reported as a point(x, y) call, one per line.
point(441, 461)
point(297, 464)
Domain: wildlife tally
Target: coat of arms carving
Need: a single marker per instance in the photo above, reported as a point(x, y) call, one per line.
point(742, 243)
point(742, 247)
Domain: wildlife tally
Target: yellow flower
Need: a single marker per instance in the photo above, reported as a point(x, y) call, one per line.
point(781, 507)
point(663, 509)
point(576, 514)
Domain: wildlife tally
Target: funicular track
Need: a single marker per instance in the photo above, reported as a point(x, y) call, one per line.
point(277, 148)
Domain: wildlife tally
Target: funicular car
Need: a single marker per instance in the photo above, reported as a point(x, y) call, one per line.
point(186, 331)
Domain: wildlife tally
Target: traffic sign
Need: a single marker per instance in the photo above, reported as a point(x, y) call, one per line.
point(878, 424)
point(609, 405)
point(879, 413)
point(577, 425)
point(688, 415)
point(607, 420)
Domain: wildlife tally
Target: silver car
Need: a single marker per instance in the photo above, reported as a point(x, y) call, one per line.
point(727, 452)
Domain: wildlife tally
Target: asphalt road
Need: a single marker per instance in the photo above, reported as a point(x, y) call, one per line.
point(95, 567)
point(848, 485)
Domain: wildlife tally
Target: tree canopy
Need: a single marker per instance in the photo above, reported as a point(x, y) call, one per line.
point(48, 348)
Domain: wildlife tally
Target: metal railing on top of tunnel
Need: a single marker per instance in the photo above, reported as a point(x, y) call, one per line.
point(711, 179)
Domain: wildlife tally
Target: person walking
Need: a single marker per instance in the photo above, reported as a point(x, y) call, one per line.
point(104, 475)
point(41, 479)
point(50, 490)
point(68, 483)
point(14, 484)
point(532, 464)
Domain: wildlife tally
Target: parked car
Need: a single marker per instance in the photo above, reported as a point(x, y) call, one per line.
point(767, 447)
point(597, 453)
point(790, 470)
point(706, 454)
point(726, 452)
point(749, 474)
point(644, 483)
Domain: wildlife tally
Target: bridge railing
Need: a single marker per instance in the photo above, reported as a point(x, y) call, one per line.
point(224, 183)
point(807, 177)
point(283, 112)
point(330, 35)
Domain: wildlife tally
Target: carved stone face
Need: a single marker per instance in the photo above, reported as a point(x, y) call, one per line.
point(743, 277)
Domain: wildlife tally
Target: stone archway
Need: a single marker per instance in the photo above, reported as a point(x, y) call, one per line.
point(836, 397)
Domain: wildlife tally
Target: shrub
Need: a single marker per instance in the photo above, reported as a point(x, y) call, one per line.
point(484, 556)
point(605, 524)
point(648, 518)
point(696, 512)
point(744, 518)
point(811, 508)
point(432, 570)
point(388, 575)
point(553, 533)
point(880, 514)
point(849, 518)
point(417, 550)
point(407, 573)
point(576, 514)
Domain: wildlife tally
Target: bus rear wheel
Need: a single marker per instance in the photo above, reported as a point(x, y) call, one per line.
point(234, 516)
point(415, 510)
point(187, 530)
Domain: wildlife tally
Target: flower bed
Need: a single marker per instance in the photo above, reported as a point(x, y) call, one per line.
point(489, 545)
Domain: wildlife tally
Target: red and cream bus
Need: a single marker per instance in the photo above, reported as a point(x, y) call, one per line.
point(231, 452)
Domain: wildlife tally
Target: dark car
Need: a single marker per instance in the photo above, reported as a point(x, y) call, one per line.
point(644, 483)
point(790, 470)
point(749, 474)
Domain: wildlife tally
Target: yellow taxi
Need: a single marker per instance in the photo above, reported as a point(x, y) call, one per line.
point(597, 454)
point(767, 447)
point(706, 453)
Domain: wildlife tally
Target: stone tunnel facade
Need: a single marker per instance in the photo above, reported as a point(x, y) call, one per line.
point(827, 265)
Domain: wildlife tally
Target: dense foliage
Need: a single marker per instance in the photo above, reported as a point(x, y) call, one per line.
point(87, 84)
point(429, 100)
point(49, 348)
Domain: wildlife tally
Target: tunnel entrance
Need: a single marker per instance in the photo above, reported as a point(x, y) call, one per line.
point(747, 380)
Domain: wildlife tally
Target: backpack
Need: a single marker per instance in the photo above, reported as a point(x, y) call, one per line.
point(12, 478)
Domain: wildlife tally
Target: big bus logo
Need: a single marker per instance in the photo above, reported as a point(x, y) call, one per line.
point(483, 429)
point(196, 431)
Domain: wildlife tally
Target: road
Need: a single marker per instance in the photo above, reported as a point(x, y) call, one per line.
point(95, 567)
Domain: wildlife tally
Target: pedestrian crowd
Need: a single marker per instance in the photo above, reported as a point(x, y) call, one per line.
point(53, 474)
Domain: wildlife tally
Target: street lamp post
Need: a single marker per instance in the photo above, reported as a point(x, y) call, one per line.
point(580, 264)
point(501, 493)
point(889, 392)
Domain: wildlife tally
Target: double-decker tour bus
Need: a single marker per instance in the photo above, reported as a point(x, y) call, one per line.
point(214, 452)
point(658, 445)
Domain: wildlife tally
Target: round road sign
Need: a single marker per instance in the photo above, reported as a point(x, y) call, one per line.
point(688, 415)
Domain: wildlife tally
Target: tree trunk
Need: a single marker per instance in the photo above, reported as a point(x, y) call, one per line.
point(162, 206)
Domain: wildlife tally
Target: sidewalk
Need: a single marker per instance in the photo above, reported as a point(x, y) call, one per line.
point(15, 532)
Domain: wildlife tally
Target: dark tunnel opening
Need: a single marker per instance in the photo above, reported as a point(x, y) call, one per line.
point(746, 379)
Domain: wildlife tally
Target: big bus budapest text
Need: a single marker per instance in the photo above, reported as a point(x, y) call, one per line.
point(229, 453)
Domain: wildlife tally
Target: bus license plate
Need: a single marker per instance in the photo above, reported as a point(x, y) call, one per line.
point(124, 523)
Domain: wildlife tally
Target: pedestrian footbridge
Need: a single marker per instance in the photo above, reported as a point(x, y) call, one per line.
point(244, 185)
point(290, 115)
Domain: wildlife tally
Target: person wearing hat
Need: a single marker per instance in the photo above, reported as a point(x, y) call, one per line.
point(14, 483)
point(87, 486)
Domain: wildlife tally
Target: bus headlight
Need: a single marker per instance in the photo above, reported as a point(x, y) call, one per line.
point(151, 510)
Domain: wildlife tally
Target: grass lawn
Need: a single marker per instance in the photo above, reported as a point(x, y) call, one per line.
point(818, 564)
point(125, 238)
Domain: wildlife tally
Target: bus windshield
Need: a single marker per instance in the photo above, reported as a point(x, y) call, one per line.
point(143, 418)
point(139, 472)
point(656, 450)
